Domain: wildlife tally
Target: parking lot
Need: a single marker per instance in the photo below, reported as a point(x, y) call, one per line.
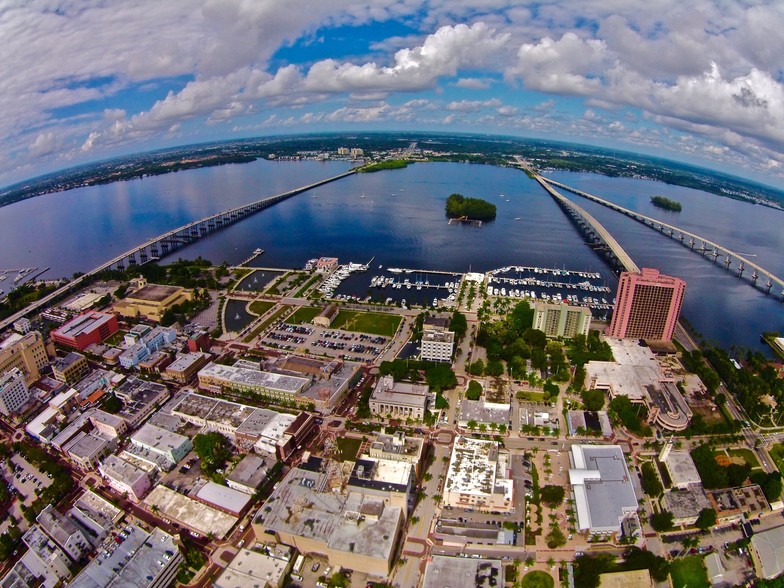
point(319, 340)
point(25, 479)
point(317, 567)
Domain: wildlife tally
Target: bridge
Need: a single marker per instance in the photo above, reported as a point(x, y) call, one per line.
point(695, 242)
point(601, 239)
point(167, 243)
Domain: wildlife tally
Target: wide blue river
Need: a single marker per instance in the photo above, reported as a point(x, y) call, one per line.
point(398, 218)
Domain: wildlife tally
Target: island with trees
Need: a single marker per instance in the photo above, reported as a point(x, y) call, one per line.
point(382, 165)
point(459, 206)
point(666, 203)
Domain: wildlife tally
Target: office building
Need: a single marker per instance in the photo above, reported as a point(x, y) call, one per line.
point(14, 393)
point(85, 330)
point(251, 569)
point(151, 301)
point(46, 556)
point(217, 377)
point(71, 368)
point(186, 366)
point(164, 447)
point(400, 400)
point(443, 571)
point(648, 306)
point(397, 447)
point(63, 531)
point(767, 553)
point(23, 326)
point(125, 477)
point(26, 352)
point(561, 320)
point(476, 476)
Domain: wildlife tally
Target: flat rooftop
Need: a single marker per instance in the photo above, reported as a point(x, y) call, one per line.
point(456, 572)
point(304, 505)
point(185, 360)
point(63, 363)
point(192, 513)
point(472, 469)
point(405, 393)
point(84, 323)
point(484, 412)
point(128, 563)
point(681, 468)
point(684, 504)
point(154, 293)
point(158, 438)
point(121, 470)
point(223, 497)
point(604, 494)
point(251, 471)
point(769, 546)
point(249, 377)
point(250, 569)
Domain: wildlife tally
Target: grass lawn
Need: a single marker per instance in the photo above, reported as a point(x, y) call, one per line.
point(746, 455)
point(304, 314)
point(530, 395)
point(537, 579)
point(373, 323)
point(777, 454)
point(259, 307)
point(689, 571)
point(116, 339)
point(308, 284)
point(348, 448)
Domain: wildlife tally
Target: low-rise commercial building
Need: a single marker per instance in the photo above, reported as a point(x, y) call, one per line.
point(399, 400)
point(603, 492)
point(443, 571)
point(137, 560)
point(326, 316)
point(397, 447)
point(249, 474)
point(680, 467)
point(314, 512)
point(225, 499)
point(186, 366)
point(190, 513)
point(477, 476)
point(140, 400)
point(25, 352)
point(767, 552)
point(63, 531)
point(218, 377)
point(71, 368)
point(85, 330)
point(390, 480)
point(108, 425)
point(125, 477)
point(437, 345)
point(86, 450)
point(251, 569)
point(474, 413)
point(151, 301)
point(14, 393)
point(47, 556)
point(169, 446)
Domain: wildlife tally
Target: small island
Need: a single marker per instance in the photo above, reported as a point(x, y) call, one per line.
point(390, 164)
point(666, 203)
point(460, 207)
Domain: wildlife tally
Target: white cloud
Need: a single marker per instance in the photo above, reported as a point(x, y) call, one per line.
point(473, 83)
point(473, 105)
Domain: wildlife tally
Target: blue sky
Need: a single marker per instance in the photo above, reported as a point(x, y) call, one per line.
point(699, 81)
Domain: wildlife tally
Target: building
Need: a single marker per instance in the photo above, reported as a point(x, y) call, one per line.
point(356, 152)
point(199, 341)
point(125, 477)
point(163, 444)
point(217, 377)
point(603, 492)
point(151, 301)
point(25, 352)
point(186, 366)
point(399, 400)
point(443, 571)
point(343, 151)
point(190, 513)
point(87, 449)
point(685, 505)
point(680, 467)
point(134, 559)
point(140, 399)
point(648, 306)
point(326, 316)
point(251, 569)
point(316, 513)
point(397, 447)
point(63, 531)
point(96, 515)
point(437, 341)
point(14, 392)
point(477, 476)
point(637, 374)
point(326, 264)
point(71, 368)
point(490, 414)
point(47, 556)
point(249, 474)
point(767, 551)
point(225, 499)
point(390, 480)
point(143, 341)
point(23, 326)
point(561, 320)
point(85, 330)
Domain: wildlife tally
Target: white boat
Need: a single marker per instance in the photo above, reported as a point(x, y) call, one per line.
point(2, 277)
point(395, 270)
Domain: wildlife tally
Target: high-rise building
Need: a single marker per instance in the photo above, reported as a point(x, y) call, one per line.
point(14, 393)
point(648, 306)
point(26, 352)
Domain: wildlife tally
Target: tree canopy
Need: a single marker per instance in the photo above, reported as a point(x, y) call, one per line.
point(213, 449)
point(706, 519)
point(552, 496)
point(458, 206)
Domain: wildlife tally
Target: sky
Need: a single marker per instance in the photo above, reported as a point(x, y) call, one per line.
point(700, 81)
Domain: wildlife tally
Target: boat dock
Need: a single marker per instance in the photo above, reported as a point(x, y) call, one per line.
point(254, 255)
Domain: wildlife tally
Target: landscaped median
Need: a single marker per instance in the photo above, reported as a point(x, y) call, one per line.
point(266, 323)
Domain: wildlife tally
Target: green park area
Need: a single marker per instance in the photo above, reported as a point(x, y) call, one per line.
point(689, 571)
point(259, 307)
point(373, 323)
point(741, 454)
point(304, 314)
point(777, 455)
point(537, 579)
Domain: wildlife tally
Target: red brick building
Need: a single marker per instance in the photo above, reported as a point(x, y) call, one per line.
point(86, 329)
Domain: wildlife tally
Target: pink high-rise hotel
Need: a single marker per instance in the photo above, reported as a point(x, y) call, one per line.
point(647, 307)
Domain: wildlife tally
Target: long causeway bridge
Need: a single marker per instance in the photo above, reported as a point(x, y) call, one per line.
point(167, 243)
point(756, 274)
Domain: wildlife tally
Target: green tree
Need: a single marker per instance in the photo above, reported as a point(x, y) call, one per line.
point(213, 449)
point(474, 391)
point(477, 368)
point(458, 324)
point(706, 519)
point(662, 521)
point(592, 399)
point(494, 368)
point(552, 496)
point(441, 377)
point(650, 481)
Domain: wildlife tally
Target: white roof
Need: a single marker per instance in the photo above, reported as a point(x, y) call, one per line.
point(224, 497)
point(769, 546)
